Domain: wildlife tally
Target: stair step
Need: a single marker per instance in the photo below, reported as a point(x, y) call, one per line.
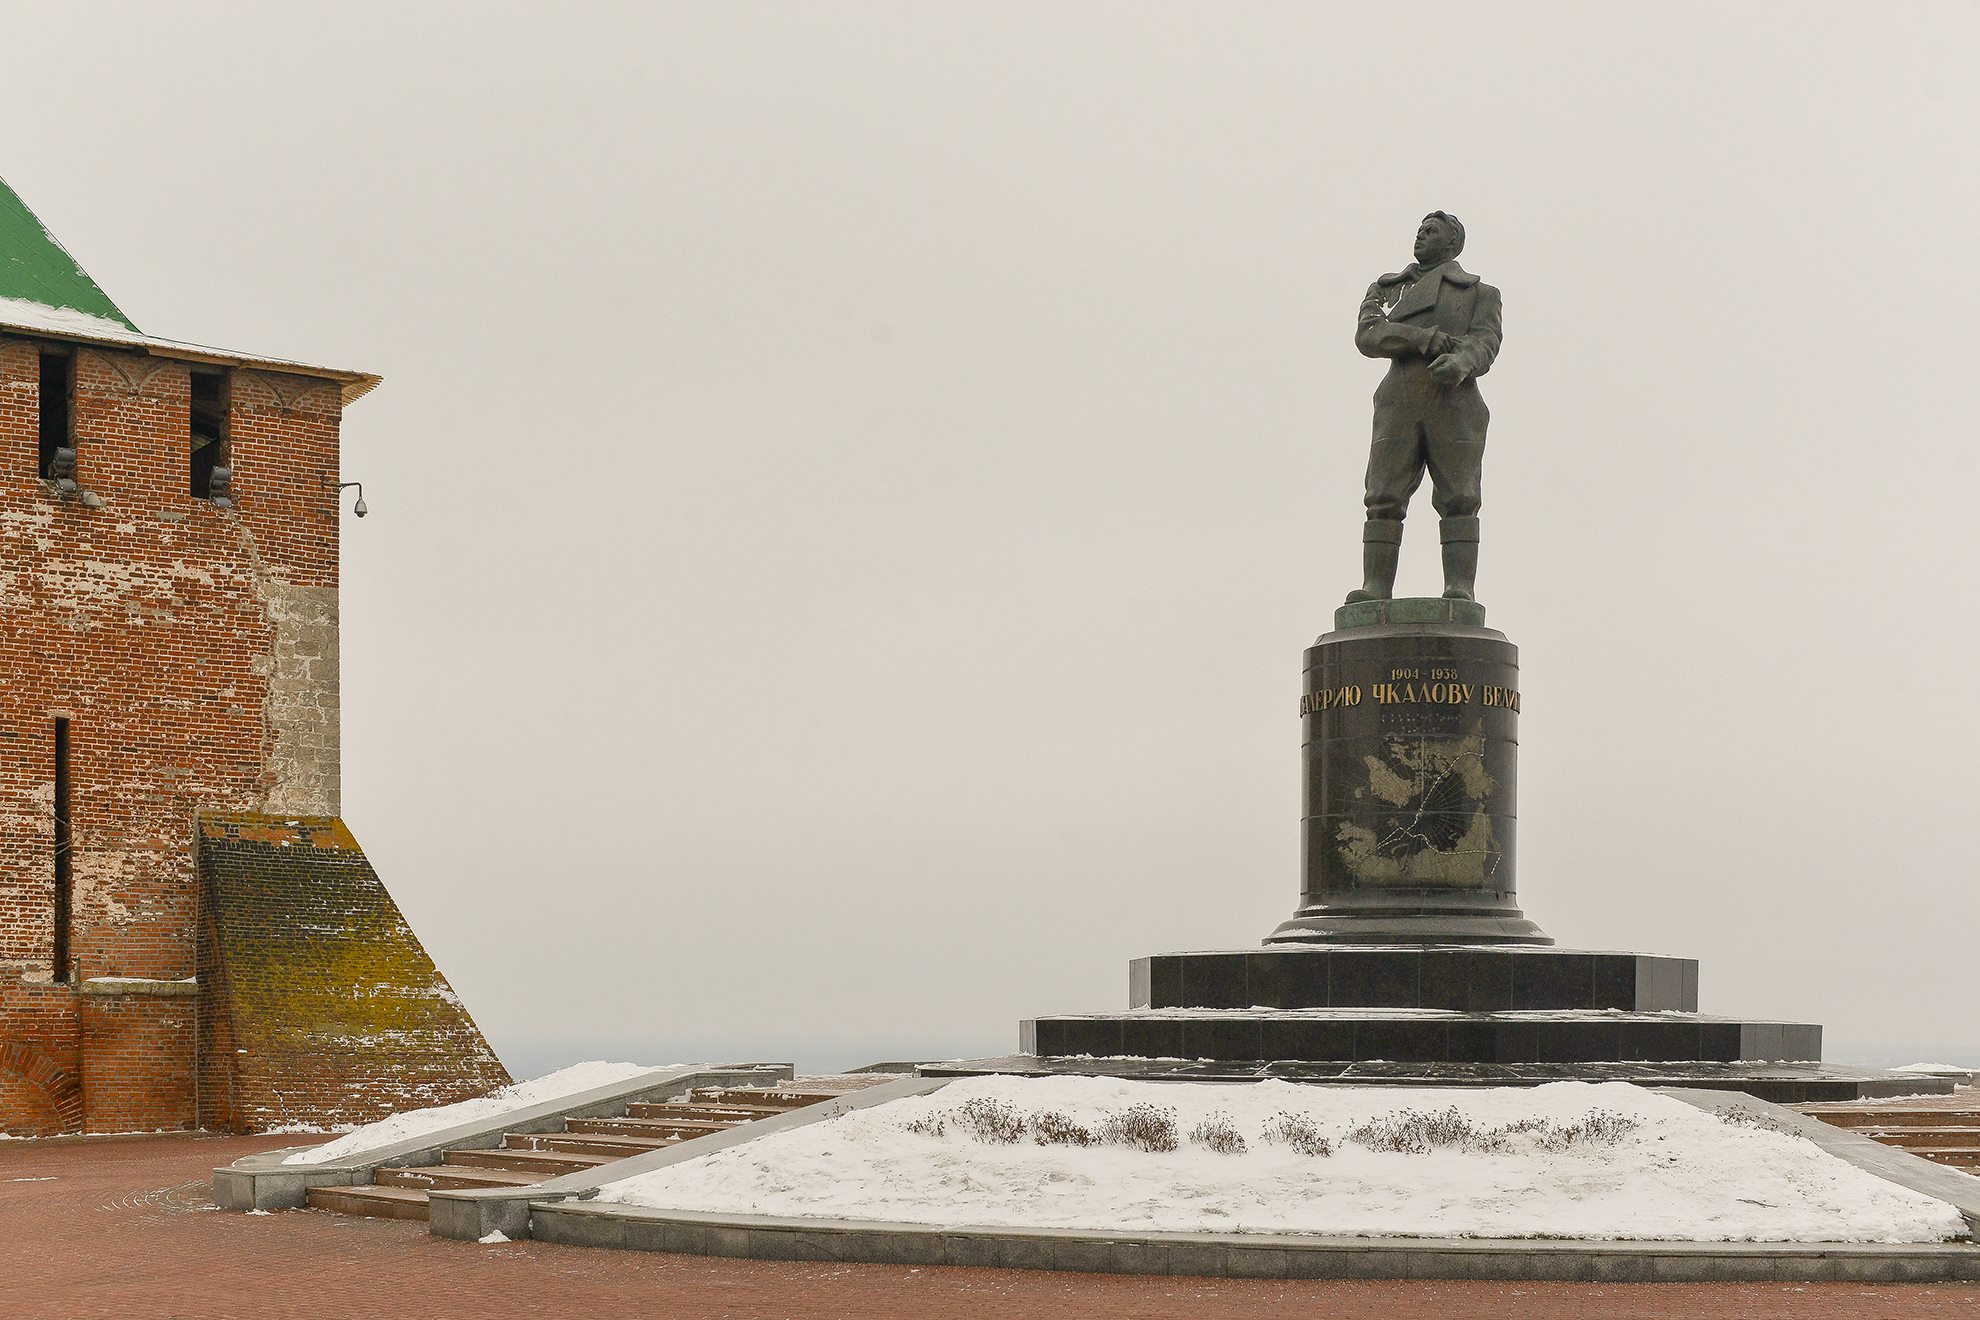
point(546, 1163)
point(1888, 1118)
point(1920, 1135)
point(374, 1202)
point(745, 1095)
point(652, 1127)
point(446, 1176)
point(1958, 1157)
point(607, 1144)
point(675, 1109)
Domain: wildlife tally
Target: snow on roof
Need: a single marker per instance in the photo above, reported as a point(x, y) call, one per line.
point(35, 267)
point(23, 316)
point(45, 292)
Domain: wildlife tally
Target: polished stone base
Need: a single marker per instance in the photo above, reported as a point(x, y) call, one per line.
point(1399, 1035)
point(1465, 979)
point(1417, 1004)
point(1779, 1083)
point(1382, 919)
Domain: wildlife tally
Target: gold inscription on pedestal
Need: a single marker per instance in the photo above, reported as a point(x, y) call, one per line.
point(1408, 687)
point(1315, 702)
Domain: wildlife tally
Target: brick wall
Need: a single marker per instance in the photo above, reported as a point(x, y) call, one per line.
point(40, 1059)
point(193, 650)
point(137, 1058)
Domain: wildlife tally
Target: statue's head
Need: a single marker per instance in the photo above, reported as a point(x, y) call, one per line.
point(1439, 238)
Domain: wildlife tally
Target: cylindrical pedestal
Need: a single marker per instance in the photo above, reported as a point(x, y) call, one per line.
point(1411, 749)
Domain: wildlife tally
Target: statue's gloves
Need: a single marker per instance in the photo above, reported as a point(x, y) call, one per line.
point(1450, 369)
point(1377, 336)
point(1382, 337)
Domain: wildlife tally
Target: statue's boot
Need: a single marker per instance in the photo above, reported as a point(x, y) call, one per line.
point(1460, 537)
point(1381, 544)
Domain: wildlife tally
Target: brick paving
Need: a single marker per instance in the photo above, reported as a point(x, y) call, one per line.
point(124, 1227)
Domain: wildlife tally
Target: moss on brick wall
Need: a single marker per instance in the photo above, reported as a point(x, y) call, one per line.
point(322, 1000)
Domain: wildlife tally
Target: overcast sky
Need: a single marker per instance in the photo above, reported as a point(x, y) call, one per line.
point(852, 483)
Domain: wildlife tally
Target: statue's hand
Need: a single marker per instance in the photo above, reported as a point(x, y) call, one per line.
point(1447, 370)
point(1440, 343)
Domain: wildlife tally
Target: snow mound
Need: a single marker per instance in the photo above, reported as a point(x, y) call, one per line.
point(392, 1130)
point(1565, 1160)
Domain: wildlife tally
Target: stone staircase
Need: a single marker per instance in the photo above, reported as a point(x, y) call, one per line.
point(1944, 1134)
point(526, 1158)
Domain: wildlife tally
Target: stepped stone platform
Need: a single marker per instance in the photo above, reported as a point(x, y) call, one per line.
point(1776, 1083)
point(1421, 1036)
point(1408, 959)
point(1436, 1015)
point(1465, 978)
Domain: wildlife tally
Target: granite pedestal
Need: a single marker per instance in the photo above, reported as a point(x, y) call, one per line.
point(1408, 948)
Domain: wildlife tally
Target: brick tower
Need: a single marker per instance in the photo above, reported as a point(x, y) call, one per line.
point(189, 936)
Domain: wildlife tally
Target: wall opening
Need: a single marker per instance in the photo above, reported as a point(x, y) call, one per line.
point(211, 470)
point(61, 969)
point(58, 434)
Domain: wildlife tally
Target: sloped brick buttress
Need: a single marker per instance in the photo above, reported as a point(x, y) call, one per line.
point(318, 1004)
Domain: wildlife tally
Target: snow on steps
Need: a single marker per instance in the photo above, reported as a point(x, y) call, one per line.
point(1944, 1136)
point(527, 1158)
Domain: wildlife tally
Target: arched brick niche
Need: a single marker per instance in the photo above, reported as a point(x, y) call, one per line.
point(37, 1098)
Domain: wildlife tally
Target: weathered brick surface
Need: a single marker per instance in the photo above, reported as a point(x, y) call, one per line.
point(193, 648)
point(332, 1007)
point(40, 1059)
point(137, 1056)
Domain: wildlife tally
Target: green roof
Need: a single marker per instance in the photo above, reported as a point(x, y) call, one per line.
point(35, 268)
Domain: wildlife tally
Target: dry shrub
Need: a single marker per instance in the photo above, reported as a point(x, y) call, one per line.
point(1051, 1128)
point(991, 1121)
point(1142, 1127)
point(1414, 1132)
point(1741, 1116)
point(1219, 1134)
point(1297, 1133)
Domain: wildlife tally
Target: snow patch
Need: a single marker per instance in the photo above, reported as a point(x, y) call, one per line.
point(519, 1095)
point(60, 320)
point(491, 1238)
point(1647, 1167)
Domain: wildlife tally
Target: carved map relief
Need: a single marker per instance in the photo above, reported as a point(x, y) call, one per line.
point(1423, 816)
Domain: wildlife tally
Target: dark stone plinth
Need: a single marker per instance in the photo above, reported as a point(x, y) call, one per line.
point(1410, 609)
point(1780, 1083)
point(1394, 1035)
point(1411, 741)
point(1477, 979)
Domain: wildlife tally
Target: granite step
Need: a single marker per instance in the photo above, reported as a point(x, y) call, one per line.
point(675, 1109)
point(745, 1095)
point(545, 1163)
point(652, 1127)
point(1895, 1118)
point(615, 1146)
point(372, 1202)
point(1918, 1134)
point(426, 1178)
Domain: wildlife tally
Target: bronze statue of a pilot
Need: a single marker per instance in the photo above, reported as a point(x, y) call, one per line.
point(1439, 327)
